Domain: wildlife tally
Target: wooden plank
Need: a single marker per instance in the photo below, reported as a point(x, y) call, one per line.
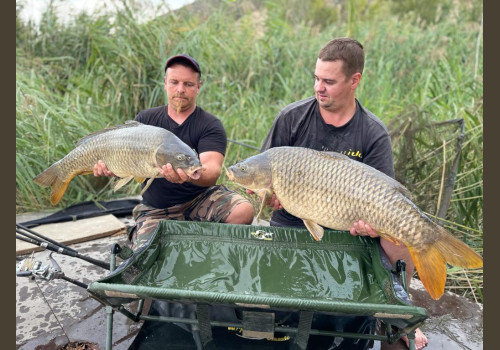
point(72, 232)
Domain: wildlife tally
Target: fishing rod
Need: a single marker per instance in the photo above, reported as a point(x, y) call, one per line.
point(244, 144)
point(30, 267)
point(33, 233)
point(30, 236)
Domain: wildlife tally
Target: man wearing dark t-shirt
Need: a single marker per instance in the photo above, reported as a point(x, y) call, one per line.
point(363, 138)
point(177, 196)
point(334, 120)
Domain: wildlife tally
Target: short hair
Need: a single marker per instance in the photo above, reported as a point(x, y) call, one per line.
point(347, 50)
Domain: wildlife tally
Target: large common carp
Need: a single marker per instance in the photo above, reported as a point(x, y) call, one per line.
point(331, 190)
point(131, 151)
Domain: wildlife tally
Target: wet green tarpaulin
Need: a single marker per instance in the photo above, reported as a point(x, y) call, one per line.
point(259, 265)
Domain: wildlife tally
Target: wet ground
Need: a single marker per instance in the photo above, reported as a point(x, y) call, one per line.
point(454, 322)
point(49, 314)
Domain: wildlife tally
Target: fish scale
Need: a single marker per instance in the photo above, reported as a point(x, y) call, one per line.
point(328, 189)
point(333, 180)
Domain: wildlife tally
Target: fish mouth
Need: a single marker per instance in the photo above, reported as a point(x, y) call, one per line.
point(195, 172)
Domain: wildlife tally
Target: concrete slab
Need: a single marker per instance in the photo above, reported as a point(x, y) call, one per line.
point(72, 232)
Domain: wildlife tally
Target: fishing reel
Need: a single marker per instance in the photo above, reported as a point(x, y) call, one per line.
point(30, 267)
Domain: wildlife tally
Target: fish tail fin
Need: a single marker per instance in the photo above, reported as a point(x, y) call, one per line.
point(49, 177)
point(456, 252)
point(430, 262)
point(431, 268)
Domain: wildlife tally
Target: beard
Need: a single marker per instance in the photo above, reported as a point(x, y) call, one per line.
point(179, 103)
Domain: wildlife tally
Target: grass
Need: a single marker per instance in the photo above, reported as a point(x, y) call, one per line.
point(99, 70)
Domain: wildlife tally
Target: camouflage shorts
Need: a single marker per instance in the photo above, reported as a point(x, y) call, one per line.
point(215, 205)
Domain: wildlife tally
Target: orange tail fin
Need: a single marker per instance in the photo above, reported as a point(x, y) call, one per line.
point(431, 262)
point(50, 178)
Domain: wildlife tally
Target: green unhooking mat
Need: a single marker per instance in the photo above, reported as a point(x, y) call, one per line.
point(259, 266)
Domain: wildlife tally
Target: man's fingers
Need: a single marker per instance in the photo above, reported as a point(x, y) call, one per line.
point(274, 203)
point(173, 176)
point(182, 175)
point(100, 169)
point(360, 228)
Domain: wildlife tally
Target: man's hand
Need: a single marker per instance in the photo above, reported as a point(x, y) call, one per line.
point(273, 202)
point(361, 228)
point(176, 177)
point(100, 169)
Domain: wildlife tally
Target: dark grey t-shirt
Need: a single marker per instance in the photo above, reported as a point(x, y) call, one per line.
point(364, 138)
point(201, 131)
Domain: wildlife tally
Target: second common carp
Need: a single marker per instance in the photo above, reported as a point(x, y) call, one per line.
point(331, 190)
point(131, 151)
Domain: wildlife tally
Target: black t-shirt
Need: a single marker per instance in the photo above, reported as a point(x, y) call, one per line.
point(201, 131)
point(364, 138)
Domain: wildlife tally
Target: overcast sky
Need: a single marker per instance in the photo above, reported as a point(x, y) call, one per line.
point(33, 9)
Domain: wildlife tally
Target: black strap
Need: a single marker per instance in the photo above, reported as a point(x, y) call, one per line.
point(89, 209)
point(203, 316)
point(303, 330)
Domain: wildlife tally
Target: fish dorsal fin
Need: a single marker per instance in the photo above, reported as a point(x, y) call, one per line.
point(401, 189)
point(334, 155)
point(128, 124)
point(395, 184)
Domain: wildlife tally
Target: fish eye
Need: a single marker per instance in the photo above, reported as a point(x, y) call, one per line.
point(243, 167)
point(181, 157)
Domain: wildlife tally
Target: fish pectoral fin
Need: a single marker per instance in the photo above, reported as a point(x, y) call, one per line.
point(315, 229)
point(140, 179)
point(147, 185)
point(265, 198)
point(122, 182)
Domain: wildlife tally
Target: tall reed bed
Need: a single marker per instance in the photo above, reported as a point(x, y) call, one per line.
point(101, 70)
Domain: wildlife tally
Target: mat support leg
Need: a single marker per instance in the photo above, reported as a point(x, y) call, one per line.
point(109, 327)
point(115, 249)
